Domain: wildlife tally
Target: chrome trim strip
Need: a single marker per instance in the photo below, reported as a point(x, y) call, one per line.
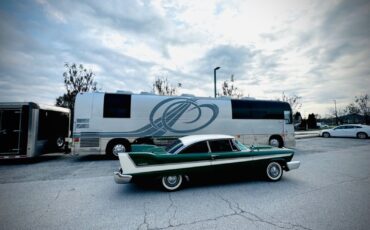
point(293, 165)
point(130, 168)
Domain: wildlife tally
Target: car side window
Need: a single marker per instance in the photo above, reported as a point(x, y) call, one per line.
point(220, 146)
point(200, 147)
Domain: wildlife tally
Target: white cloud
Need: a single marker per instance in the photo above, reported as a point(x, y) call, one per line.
point(314, 49)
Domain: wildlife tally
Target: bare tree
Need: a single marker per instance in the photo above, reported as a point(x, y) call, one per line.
point(294, 101)
point(161, 86)
point(76, 79)
point(229, 89)
point(351, 108)
point(362, 103)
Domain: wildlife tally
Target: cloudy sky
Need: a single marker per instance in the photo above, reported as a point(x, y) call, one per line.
point(318, 50)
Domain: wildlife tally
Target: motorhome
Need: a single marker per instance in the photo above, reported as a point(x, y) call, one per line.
point(108, 123)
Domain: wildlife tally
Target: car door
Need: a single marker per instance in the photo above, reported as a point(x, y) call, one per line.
point(338, 131)
point(349, 131)
point(224, 154)
point(198, 155)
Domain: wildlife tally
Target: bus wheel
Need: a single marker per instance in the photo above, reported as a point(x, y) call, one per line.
point(274, 171)
point(118, 146)
point(276, 141)
point(171, 182)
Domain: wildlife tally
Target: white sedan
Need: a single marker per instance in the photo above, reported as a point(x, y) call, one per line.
point(359, 131)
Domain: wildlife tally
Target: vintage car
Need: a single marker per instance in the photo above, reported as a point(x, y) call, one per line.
point(195, 154)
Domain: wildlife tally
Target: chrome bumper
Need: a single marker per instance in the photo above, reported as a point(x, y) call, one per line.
point(120, 178)
point(293, 165)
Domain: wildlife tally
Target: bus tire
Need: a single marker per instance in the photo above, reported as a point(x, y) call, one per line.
point(276, 141)
point(117, 146)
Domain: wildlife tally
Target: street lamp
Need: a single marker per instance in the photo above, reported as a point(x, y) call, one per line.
point(336, 113)
point(214, 75)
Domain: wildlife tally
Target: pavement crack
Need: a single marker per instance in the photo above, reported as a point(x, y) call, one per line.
point(356, 179)
point(237, 210)
point(145, 224)
point(172, 205)
point(57, 196)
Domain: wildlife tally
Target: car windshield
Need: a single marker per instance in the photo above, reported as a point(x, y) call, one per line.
point(172, 148)
point(240, 145)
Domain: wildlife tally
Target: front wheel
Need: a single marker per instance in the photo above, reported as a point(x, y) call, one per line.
point(171, 182)
point(274, 171)
point(361, 135)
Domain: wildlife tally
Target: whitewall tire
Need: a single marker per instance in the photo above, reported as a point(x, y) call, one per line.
point(171, 182)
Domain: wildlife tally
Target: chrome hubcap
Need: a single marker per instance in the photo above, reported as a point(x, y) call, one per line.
point(172, 180)
point(119, 148)
point(274, 142)
point(274, 171)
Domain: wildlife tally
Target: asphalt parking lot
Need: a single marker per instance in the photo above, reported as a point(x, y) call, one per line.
point(329, 191)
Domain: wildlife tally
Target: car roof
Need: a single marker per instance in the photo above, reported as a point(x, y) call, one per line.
point(191, 139)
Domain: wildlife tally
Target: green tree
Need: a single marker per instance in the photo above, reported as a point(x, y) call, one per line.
point(311, 121)
point(362, 103)
point(76, 79)
point(161, 86)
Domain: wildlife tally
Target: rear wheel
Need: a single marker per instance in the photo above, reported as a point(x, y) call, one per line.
point(326, 134)
point(118, 146)
point(171, 182)
point(276, 141)
point(362, 135)
point(274, 171)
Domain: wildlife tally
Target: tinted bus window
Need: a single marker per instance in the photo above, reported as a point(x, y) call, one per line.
point(117, 106)
point(259, 109)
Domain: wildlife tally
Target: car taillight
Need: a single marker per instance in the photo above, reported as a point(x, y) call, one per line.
point(77, 139)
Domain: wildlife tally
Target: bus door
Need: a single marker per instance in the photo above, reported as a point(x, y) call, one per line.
point(13, 131)
point(287, 120)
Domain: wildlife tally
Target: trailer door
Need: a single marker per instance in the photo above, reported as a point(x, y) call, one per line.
point(13, 131)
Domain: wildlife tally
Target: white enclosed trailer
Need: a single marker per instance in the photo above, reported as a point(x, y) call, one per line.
point(108, 123)
point(28, 129)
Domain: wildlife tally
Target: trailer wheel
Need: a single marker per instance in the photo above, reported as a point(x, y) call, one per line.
point(118, 146)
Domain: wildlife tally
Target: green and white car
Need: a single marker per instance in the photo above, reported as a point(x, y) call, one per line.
point(191, 155)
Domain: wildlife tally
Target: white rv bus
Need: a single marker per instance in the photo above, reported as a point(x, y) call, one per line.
point(28, 129)
point(108, 123)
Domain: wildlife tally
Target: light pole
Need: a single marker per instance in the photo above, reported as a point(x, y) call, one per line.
point(336, 113)
point(214, 75)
